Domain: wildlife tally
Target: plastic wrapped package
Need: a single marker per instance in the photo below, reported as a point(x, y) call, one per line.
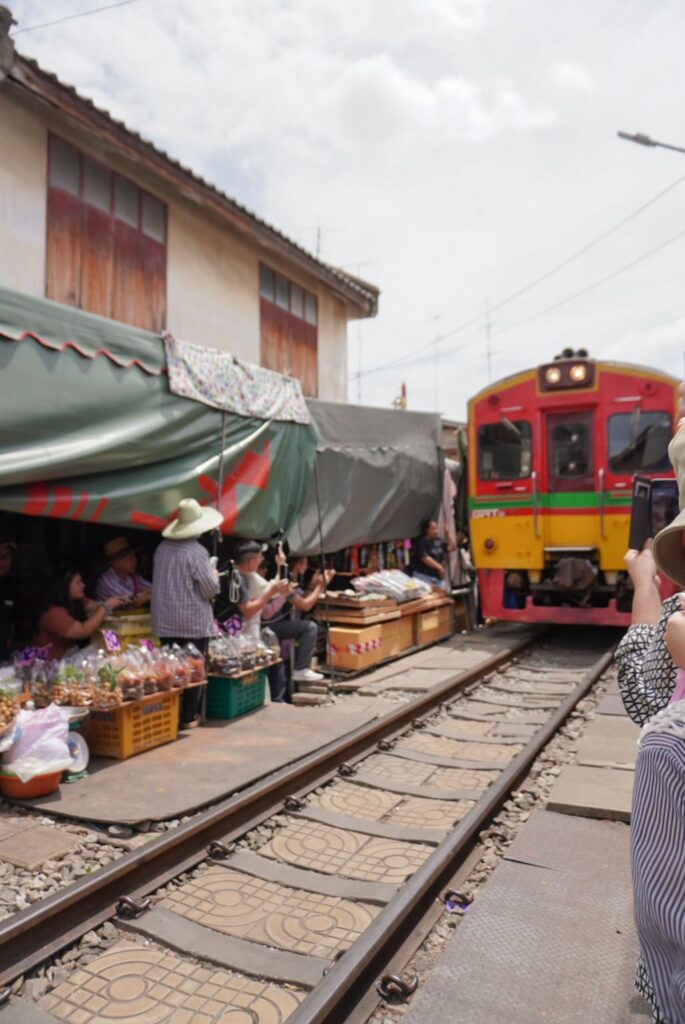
point(41, 746)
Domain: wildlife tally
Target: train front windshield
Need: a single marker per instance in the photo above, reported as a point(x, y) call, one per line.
point(638, 442)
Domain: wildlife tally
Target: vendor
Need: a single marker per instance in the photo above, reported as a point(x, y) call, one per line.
point(120, 579)
point(429, 556)
point(68, 616)
point(8, 600)
point(184, 583)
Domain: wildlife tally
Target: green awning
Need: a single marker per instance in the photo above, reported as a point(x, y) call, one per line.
point(90, 431)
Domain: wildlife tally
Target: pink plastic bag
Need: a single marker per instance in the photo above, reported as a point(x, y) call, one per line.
point(679, 692)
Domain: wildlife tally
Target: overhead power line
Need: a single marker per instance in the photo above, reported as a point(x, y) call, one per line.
point(77, 14)
point(410, 358)
point(418, 359)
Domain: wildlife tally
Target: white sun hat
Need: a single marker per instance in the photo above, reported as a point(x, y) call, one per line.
point(192, 520)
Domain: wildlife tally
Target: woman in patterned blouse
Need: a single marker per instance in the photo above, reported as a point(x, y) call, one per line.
point(648, 658)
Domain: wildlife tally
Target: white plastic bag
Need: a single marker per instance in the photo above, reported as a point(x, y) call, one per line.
point(41, 746)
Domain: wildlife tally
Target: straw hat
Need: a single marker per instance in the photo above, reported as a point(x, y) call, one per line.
point(118, 548)
point(192, 520)
point(668, 550)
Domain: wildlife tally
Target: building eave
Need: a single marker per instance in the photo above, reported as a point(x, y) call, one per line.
point(28, 77)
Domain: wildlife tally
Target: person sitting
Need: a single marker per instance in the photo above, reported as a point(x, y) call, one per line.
point(429, 555)
point(68, 616)
point(255, 591)
point(120, 579)
point(287, 622)
point(8, 599)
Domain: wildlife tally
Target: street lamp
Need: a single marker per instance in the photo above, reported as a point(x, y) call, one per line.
point(645, 140)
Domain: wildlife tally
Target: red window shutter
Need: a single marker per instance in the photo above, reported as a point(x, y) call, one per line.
point(289, 345)
point(128, 287)
point(63, 255)
point(96, 269)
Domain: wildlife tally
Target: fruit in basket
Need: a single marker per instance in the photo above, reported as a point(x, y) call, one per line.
point(9, 709)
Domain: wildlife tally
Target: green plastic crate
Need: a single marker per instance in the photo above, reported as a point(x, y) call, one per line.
point(231, 697)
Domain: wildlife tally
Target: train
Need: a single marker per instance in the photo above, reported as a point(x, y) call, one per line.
point(552, 453)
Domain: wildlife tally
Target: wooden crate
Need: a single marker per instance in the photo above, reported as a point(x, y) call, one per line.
point(433, 625)
point(354, 649)
point(390, 639)
point(406, 628)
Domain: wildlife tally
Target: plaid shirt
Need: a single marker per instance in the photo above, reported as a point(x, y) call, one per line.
point(110, 584)
point(183, 585)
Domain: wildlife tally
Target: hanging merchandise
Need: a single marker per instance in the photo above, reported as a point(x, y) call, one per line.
point(407, 552)
point(390, 560)
point(363, 557)
point(354, 559)
point(381, 557)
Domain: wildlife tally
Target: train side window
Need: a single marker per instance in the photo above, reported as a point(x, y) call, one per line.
point(571, 448)
point(504, 450)
point(638, 441)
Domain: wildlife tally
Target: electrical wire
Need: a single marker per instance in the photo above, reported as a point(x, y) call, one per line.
point(71, 17)
point(418, 359)
point(409, 359)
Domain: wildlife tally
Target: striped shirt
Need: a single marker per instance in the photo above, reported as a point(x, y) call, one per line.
point(110, 584)
point(658, 843)
point(184, 583)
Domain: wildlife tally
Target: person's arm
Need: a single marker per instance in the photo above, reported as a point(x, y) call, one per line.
point(305, 602)
point(205, 575)
point(433, 564)
point(646, 672)
point(250, 608)
point(641, 568)
point(58, 621)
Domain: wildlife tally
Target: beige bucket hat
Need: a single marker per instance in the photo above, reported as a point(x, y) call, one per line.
point(668, 550)
point(192, 520)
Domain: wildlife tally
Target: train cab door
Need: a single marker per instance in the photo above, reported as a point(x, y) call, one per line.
point(571, 498)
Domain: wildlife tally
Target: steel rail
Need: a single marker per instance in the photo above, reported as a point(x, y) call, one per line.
point(357, 969)
point(33, 935)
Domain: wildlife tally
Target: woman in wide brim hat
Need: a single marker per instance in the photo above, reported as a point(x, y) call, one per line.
point(192, 520)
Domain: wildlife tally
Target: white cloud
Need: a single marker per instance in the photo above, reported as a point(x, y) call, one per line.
point(567, 75)
point(451, 150)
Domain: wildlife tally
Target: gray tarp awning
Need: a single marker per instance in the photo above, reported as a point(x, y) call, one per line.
point(379, 474)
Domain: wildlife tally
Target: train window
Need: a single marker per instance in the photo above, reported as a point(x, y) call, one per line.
point(638, 442)
point(504, 450)
point(571, 448)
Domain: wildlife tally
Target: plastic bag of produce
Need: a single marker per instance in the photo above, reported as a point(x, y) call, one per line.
point(41, 746)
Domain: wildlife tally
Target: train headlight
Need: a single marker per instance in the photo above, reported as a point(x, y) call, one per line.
point(578, 373)
point(553, 375)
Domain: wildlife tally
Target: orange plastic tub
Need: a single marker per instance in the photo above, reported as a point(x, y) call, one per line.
point(40, 785)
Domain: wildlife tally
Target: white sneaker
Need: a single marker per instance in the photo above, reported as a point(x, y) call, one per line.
point(306, 675)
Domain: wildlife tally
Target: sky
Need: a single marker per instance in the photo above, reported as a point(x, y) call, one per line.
point(452, 152)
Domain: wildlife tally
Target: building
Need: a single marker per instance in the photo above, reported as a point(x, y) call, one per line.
point(92, 215)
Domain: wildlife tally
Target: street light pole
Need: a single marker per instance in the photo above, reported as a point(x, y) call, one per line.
point(645, 140)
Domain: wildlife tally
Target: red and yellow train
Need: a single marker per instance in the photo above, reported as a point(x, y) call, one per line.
point(552, 454)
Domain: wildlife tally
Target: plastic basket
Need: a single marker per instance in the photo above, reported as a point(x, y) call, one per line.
point(40, 785)
point(132, 728)
point(229, 697)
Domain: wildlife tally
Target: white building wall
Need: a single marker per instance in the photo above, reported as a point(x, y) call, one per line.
point(23, 184)
point(212, 272)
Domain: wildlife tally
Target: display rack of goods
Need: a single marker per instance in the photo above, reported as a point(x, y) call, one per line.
point(133, 727)
point(392, 583)
point(129, 624)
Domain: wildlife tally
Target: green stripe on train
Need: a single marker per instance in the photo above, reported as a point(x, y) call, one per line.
point(570, 500)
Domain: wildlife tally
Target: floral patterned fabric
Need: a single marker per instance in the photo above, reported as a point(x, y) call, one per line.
point(218, 379)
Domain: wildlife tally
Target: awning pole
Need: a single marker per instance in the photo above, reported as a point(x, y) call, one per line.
point(220, 481)
point(322, 560)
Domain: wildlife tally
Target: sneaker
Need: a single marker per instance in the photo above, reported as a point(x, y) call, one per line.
point(306, 675)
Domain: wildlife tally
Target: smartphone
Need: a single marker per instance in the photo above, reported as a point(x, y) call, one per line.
point(654, 506)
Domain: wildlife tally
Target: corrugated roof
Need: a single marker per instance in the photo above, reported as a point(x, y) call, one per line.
point(28, 74)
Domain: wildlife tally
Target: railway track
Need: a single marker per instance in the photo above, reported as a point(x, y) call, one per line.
point(313, 879)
